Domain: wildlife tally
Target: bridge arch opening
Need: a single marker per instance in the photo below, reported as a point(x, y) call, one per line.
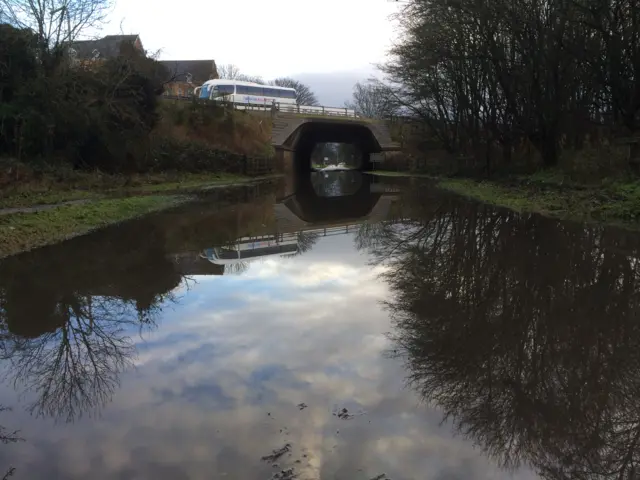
point(330, 154)
point(357, 140)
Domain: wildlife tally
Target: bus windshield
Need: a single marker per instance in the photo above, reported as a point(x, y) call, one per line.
point(221, 90)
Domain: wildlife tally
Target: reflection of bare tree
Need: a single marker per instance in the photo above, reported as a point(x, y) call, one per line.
point(237, 268)
point(68, 315)
point(7, 436)
point(306, 241)
point(524, 331)
point(75, 367)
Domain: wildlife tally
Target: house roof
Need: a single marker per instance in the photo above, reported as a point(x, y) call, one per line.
point(106, 47)
point(197, 71)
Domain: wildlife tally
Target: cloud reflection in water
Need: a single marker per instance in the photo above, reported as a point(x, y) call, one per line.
point(216, 387)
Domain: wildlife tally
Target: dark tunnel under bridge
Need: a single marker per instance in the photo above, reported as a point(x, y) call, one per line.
point(295, 138)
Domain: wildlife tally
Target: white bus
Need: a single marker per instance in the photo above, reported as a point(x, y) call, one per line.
point(254, 96)
point(248, 93)
point(247, 249)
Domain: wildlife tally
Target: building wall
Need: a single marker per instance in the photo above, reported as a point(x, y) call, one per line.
point(179, 89)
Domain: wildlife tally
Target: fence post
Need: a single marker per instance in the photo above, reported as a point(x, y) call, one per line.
point(298, 108)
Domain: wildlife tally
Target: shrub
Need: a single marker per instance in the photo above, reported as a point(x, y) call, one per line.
point(98, 117)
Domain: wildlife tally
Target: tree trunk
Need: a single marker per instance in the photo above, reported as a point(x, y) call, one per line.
point(549, 151)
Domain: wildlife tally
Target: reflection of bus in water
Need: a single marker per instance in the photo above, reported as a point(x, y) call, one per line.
point(249, 248)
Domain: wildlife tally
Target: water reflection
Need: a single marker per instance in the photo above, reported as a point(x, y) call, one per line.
point(6, 437)
point(254, 324)
point(523, 330)
point(338, 183)
point(72, 310)
point(66, 341)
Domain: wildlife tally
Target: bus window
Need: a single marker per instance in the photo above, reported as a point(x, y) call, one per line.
point(257, 91)
point(225, 89)
point(242, 90)
point(275, 92)
point(226, 253)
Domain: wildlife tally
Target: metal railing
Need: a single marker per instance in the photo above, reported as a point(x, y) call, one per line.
point(289, 108)
point(275, 107)
point(291, 236)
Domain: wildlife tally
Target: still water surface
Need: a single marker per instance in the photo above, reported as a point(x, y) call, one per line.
point(339, 328)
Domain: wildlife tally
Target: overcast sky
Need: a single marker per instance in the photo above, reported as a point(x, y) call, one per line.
point(267, 38)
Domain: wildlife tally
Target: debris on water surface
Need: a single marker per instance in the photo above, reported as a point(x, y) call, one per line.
point(276, 454)
point(302, 406)
point(288, 474)
point(344, 414)
point(382, 476)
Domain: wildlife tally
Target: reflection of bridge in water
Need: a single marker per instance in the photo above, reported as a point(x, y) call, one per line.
point(247, 249)
point(321, 205)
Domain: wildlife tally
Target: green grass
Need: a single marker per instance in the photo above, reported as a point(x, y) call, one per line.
point(52, 189)
point(384, 173)
point(612, 200)
point(615, 201)
point(34, 198)
point(25, 231)
point(188, 182)
point(495, 194)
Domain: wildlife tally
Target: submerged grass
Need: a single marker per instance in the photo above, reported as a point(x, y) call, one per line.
point(383, 173)
point(50, 189)
point(612, 200)
point(25, 231)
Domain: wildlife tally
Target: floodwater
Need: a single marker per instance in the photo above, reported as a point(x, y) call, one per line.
point(340, 327)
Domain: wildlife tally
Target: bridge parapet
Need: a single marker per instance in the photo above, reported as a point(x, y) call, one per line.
point(287, 118)
point(285, 125)
point(274, 107)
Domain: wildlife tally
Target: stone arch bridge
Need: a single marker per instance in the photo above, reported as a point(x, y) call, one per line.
point(294, 136)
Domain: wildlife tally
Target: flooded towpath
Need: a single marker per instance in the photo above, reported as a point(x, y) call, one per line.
point(344, 327)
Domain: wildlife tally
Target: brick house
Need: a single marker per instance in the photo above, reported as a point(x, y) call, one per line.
point(87, 52)
point(185, 75)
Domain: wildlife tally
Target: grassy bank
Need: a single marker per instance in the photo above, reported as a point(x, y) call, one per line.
point(97, 200)
point(382, 173)
point(25, 231)
point(613, 201)
point(38, 188)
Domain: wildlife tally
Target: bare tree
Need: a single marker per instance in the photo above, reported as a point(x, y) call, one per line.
point(489, 77)
point(228, 71)
point(370, 100)
point(232, 72)
point(251, 78)
point(56, 22)
point(304, 95)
